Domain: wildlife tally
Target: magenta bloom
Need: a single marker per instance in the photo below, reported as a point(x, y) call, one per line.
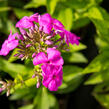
point(69, 37)
point(46, 23)
point(27, 22)
point(9, 44)
point(52, 76)
point(53, 57)
point(57, 23)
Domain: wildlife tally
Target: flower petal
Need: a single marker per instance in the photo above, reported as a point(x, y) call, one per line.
point(8, 46)
point(46, 81)
point(45, 22)
point(57, 23)
point(40, 58)
point(52, 86)
point(12, 44)
point(34, 17)
point(24, 23)
point(54, 56)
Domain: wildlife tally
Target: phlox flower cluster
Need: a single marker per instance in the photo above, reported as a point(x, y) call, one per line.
point(37, 42)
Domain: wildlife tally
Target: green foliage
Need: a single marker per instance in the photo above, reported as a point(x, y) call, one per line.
point(75, 15)
point(35, 4)
point(72, 78)
point(13, 69)
point(30, 106)
point(74, 57)
point(45, 100)
point(21, 12)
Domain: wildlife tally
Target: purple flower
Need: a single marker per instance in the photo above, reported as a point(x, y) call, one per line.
point(49, 42)
point(27, 22)
point(46, 23)
point(57, 23)
point(69, 37)
point(9, 44)
point(38, 84)
point(1, 89)
point(34, 17)
point(53, 57)
point(52, 76)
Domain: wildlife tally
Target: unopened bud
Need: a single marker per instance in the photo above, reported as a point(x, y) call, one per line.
point(34, 54)
point(1, 90)
point(28, 45)
point(34, 76)
point(49, 42)
point(38, 85)
point(8, 92)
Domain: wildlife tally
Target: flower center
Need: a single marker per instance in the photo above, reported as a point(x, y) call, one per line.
point(54, 76)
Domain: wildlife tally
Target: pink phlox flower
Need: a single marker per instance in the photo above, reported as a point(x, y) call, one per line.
point(27, 22)
point(57, 24)
point(9, 44)
point(49, 42)
point(34, 17)
point(53, 57)
point(24, 23)
point(47, 23)
point(67, 36)
point(23, 31)
point(1, 89)
point(71, 38)
point(52, 76)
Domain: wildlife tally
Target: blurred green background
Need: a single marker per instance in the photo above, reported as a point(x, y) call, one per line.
point(86, 69)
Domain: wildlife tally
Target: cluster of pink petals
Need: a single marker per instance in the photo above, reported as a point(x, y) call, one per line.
point(9, 44)
point(53, 57)
point(47, 24)
point(51, 60)
point(52, 68)
point(52, 76)
point(27, 22)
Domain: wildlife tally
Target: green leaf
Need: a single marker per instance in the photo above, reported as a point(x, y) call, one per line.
point(80, 20)
point(45, 100)
point(42, 100)
point(75, 57)
point(101, 21)
point(27, 83)
point(77, 4)
point(100, 77)
point(35, 4)
point(29, 106)
point(12, 58)
point(51, 5)
point(53, 102)
point(4, 9)
point(67, 19)
point(96, 78)
point(75, 48)
point(8, 25)
point(99, 64)
point(21, 12)
point(26, 93)
point(102, 45)
point(81, 5)
point(101, 93)
point(72, 78)
point(12, 69)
